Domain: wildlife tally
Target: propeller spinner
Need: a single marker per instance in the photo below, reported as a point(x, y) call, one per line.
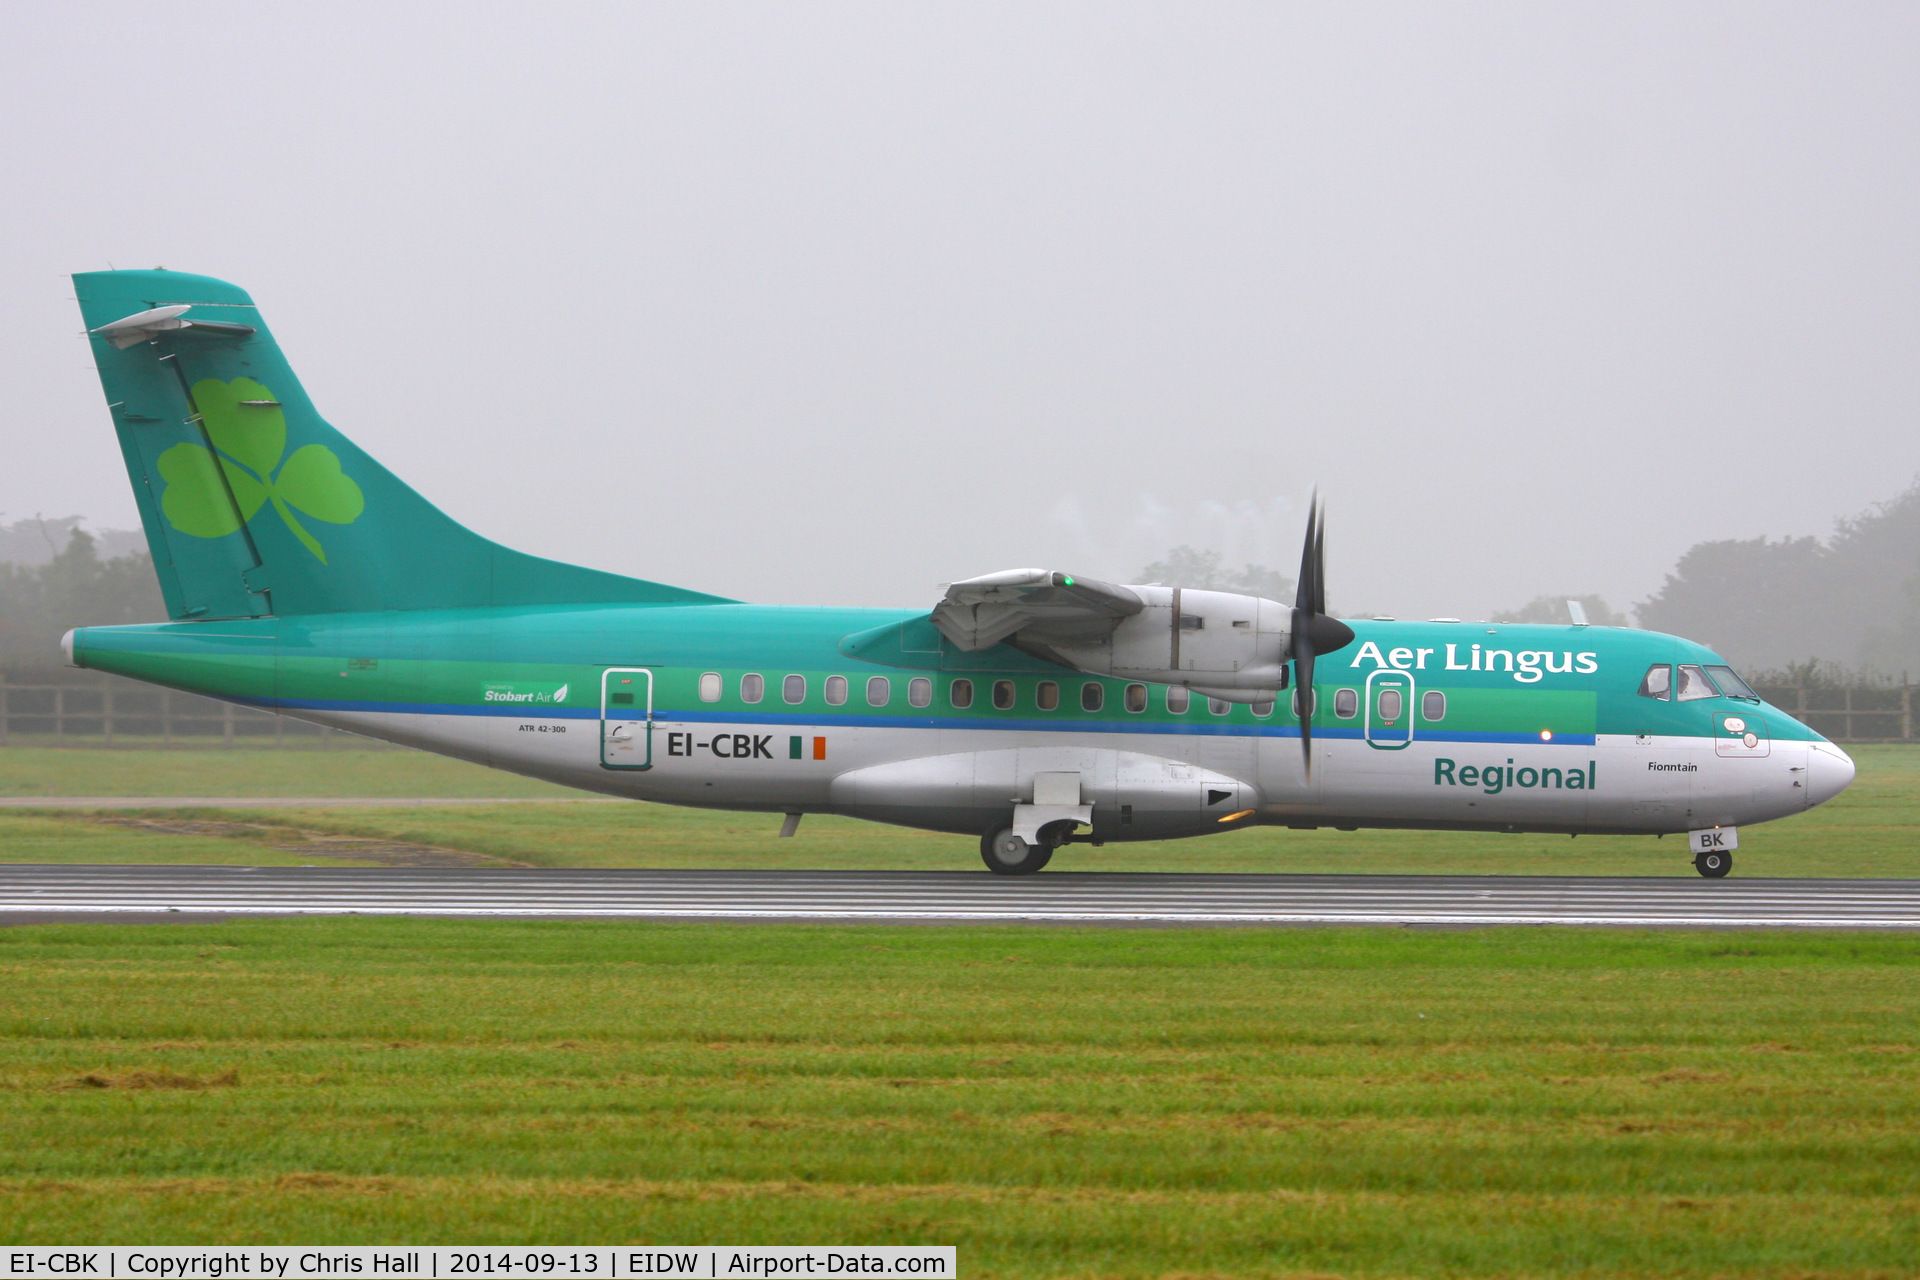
point(1314, 632)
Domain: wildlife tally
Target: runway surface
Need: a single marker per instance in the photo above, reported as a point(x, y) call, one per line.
point(43, 891)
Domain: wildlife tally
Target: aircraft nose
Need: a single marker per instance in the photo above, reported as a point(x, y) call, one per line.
point(1829, 772)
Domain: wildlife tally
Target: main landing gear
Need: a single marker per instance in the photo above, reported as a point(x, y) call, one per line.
point(1713, 863)
point(1006, 854)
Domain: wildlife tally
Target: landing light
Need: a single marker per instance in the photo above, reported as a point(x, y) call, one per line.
point(1546, 735)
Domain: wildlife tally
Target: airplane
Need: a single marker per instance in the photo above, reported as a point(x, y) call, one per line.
point(1032, 708)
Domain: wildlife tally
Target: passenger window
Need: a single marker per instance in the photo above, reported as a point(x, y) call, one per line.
point(1346, 703)
point(752, 687)
point(1658, 682)
point(836, 691)
point(1136, 698)
point(710, 687)
point(1219, 706)
point(1433, 705)
point(1003, 695)
point(1092, 696)
point(1263, 709)
point(919, 692)
point(960, 693)
point(1178, 699)
point(1315, 703)
point(879, 691)
point(1694, 685)
point(1047, 696)
point(1392, 702)
point(794, 688)
point(1730, 684)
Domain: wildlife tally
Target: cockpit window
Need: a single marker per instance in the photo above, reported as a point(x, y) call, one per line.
point(1694, 685)
point(1730, 684)
point(1658, 682)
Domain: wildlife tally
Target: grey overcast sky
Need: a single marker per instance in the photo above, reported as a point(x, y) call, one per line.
point(830, 303)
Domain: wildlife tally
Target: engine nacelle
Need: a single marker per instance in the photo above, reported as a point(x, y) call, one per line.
point(1226, 645)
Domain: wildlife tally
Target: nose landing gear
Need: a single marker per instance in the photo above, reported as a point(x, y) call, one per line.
point(1713, 863)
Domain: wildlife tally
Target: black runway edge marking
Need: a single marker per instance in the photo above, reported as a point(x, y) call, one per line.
point(42, 892)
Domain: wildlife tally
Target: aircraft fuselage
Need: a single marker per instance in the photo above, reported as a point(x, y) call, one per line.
point(1492, 727)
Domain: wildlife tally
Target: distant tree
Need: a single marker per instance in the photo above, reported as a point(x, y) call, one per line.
point(1552, 609)
point(1185, 567)
point(38, 539)
point(40, 603)
point(1760, 603)
point(1202, 571)
point(1853, 600)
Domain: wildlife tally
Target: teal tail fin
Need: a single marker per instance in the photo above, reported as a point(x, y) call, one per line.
point(253, 505)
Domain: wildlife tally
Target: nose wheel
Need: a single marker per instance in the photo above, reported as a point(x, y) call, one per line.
point(1713, 863)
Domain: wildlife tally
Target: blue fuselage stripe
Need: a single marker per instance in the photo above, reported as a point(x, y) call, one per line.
point(865, 720)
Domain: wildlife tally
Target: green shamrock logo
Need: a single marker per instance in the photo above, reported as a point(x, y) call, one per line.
point(249, 435)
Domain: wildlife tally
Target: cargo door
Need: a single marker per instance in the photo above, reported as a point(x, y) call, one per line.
point(626, 718)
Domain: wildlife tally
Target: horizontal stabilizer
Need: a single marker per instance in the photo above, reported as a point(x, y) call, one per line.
point(144, 326)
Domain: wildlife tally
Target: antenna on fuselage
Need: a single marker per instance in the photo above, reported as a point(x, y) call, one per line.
point(1578, 612)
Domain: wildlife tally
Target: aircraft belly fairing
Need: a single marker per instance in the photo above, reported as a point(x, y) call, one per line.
point(1131, 796)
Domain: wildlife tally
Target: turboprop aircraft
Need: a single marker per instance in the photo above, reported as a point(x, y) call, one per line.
point(1032, 708)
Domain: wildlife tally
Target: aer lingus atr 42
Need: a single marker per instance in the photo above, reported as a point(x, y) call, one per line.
point(1030, 708)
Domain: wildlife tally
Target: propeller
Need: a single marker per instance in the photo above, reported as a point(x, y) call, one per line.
point(1314, 632)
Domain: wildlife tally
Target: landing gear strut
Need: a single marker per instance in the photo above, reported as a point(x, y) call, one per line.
point(1713, 863)
point(1006, 854)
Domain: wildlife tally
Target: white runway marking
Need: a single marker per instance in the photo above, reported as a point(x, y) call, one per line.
point(962, 896)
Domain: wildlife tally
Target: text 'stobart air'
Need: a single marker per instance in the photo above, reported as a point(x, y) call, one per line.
point(1030, 708)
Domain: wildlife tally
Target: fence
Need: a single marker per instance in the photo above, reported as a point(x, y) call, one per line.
point(1859, 712)
point(115, 712)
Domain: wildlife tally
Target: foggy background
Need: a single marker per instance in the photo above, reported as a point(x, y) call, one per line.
point(831, 303)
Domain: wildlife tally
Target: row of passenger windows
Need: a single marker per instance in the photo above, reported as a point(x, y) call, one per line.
point(1346, 704)
point(1046, 696)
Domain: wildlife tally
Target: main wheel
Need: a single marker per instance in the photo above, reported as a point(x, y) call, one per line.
point(1713, 863)
point(1006, 854)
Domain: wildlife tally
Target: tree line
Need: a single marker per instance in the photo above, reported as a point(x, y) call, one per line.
point(75, 587)
point(1851, 602)
point(1795, 609)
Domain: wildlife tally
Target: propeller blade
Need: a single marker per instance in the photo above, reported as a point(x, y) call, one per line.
point(1308, 595)
point(1320, 567)
point(1313, 631)
point(1308, 598)
point(1303, 697)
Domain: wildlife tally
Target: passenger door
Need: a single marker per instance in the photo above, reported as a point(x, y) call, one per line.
point(626, 718)
point(1389, 710)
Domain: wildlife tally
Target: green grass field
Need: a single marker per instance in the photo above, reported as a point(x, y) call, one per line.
point(1055, 1101)
point(1869, 831)
point(1112, 1102)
